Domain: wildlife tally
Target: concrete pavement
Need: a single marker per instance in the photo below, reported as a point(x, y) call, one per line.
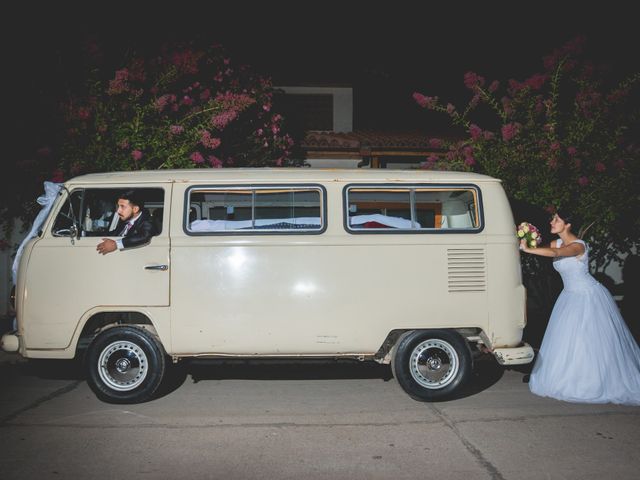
point(317, 421)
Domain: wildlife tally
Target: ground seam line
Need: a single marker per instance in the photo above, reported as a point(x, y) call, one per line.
point(486, 464)
point(40, 401)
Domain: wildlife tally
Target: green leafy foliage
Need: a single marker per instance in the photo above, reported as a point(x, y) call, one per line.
point(564, 138)
point(179, 107)
point(182, 108)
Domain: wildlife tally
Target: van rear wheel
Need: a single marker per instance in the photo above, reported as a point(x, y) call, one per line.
point(432, 364)
point(125, 365)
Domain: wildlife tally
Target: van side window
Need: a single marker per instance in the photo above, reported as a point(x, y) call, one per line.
point(417, 208)
point(94, 210)
point(257, 209)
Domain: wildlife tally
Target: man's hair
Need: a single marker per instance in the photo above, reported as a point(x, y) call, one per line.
point(133, 197)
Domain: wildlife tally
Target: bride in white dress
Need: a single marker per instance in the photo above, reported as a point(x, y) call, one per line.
point(588, 354)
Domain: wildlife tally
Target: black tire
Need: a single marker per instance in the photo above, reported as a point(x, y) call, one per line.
point(432, 364)
point(125, 365)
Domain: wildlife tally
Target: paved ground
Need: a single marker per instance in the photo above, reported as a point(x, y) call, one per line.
point(315, 421)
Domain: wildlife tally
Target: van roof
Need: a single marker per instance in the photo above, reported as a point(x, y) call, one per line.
point(208, 175)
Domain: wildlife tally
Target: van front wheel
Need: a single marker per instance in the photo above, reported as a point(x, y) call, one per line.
point(125, 365)
point(432, 364)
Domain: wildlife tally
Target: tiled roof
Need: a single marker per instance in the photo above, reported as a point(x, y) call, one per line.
point(364, 140)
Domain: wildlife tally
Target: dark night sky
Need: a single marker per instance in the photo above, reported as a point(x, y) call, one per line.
point(384, 53)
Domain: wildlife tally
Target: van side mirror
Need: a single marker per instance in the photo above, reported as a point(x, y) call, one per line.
point(72, 232)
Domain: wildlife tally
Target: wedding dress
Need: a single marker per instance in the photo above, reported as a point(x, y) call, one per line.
point(588, 354)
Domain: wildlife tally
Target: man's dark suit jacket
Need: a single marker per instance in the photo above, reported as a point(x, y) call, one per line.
point(139, 234)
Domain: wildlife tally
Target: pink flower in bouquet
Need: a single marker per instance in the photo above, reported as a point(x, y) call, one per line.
point(530, 233)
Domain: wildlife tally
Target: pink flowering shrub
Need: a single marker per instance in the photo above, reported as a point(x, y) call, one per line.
point(566, 137)
point(181, 108)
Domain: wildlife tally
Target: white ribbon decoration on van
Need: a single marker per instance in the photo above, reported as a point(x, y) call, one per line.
point(50, 192)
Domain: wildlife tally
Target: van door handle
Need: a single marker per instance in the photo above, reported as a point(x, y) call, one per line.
point(156, 267)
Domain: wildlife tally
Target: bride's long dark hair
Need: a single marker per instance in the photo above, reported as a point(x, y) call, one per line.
point(568, 217)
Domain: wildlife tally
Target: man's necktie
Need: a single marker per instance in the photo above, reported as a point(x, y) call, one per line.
point(126, 228)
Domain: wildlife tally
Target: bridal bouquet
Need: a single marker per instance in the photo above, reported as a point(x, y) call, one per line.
point(530, 233)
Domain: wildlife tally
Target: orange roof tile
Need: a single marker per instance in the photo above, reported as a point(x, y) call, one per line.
point(367, 140)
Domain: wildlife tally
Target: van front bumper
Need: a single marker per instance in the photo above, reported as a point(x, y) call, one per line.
point(10, 342)
point(514, 355)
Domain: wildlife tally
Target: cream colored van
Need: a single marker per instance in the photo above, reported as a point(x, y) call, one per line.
point(418, 269)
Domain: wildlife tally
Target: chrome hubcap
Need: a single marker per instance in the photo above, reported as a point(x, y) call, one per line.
point(434, 363)
point(123, 366)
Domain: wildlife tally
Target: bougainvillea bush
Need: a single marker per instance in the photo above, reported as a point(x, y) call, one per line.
point(566, 137)
point(181, 108)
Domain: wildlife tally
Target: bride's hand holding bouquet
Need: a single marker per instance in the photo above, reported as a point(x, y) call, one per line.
point(529, 235)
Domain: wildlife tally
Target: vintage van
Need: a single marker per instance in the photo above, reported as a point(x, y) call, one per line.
point(419, 269)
